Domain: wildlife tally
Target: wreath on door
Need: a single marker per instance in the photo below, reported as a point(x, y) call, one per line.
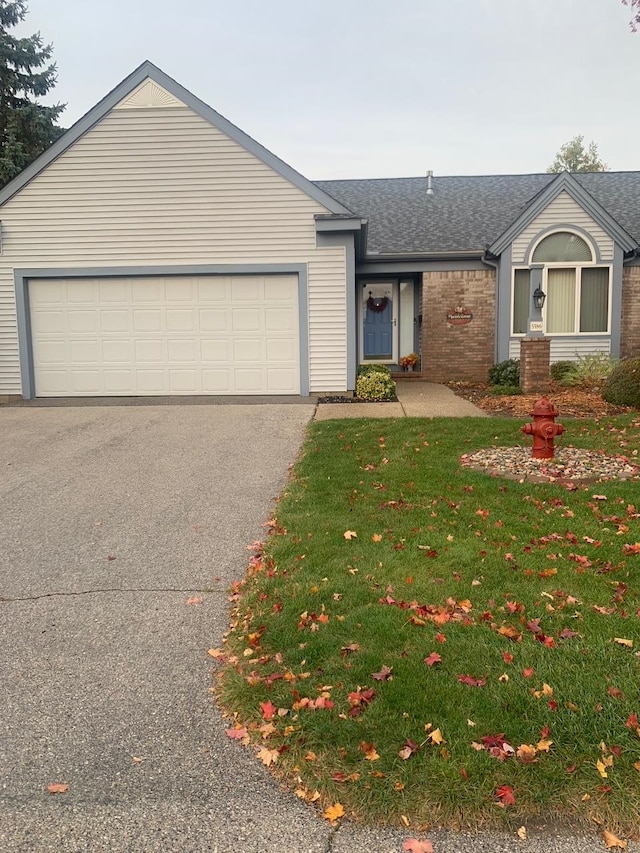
point(377, 305)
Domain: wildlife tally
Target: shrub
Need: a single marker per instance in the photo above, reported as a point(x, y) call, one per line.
point(367, 369)
point(561, 370)
point(375, 385)
point(590, 369)
point(505, 390)
point(505, 372)
point(622, 386)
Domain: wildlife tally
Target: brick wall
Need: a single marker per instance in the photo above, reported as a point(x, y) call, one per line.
point(534, 365)
point(630, 333)
point(458, 352)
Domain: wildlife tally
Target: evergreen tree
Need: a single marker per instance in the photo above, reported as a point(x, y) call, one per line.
point(574, 157)
point(27, 128)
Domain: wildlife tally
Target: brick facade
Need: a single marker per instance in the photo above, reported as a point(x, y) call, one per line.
point(535, 355)
point(630, 333)
point(458, 352)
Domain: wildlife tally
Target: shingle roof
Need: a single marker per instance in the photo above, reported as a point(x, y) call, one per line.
point(467, 213)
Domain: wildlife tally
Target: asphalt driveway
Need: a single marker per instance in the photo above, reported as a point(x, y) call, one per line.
point(111, 519)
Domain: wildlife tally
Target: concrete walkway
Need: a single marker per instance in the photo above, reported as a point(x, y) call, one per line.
point(416, 399)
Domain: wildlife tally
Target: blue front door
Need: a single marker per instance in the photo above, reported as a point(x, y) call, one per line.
point(378, 322)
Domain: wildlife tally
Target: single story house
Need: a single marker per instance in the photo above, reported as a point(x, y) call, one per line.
point(156, 249)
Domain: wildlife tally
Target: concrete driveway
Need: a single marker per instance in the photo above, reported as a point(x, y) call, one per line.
point(111, 518)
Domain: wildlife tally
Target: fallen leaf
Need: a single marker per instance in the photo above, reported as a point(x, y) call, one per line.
point(195, 600)
point(369, 751)
point(505, 794)
point(136, 759)
point(333, 812)
point(57, 788)
point(268, 756)
point(268, 710)
point(236, 733)
point(526, 753)
point(522, 833)
point(612, 840)
point(417, 845)
point(622, 642)
point(377, 537)
point(410, 747)
point(436, 737)
point(384, 674)
point(471, 681)
point(350, 534)
point(432, 659)
point(602, 769)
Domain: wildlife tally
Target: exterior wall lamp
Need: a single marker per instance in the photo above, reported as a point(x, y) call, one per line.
point(538, 298)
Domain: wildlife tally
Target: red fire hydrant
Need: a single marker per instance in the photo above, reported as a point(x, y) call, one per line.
point(543, 429)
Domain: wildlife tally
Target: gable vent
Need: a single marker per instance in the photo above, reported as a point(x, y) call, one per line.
point(149, 94)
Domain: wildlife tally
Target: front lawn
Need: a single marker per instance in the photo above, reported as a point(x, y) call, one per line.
point(421, 644)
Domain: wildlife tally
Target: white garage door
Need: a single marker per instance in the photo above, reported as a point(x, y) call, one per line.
point(173, 335)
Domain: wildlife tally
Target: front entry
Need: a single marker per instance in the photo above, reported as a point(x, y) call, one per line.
point(378, 321)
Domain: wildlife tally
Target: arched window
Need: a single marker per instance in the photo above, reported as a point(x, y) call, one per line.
point(562, 247)
point(578, 291)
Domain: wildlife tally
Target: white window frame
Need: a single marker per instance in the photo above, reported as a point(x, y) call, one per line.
point(578, 269)
point(578, 266)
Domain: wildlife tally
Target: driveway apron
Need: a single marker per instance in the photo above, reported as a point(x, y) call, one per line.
point(111, 519)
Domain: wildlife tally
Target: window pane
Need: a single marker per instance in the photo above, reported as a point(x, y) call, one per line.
point(560, 247)
point(520, 301)
point(594, 300)
point(561, 301)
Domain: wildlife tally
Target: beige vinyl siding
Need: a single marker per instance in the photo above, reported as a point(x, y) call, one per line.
point(562, 211)
point(568, 349)
point(161, 186)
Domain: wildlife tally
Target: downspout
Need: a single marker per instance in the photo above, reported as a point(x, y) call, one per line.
point(496, 265)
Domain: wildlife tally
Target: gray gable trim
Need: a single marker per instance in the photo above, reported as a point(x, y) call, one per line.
point(148, 69)
point(564, 182)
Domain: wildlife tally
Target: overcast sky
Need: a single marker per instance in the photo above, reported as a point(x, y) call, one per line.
point(381, 88)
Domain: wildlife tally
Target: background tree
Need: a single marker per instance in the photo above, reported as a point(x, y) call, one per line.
point(27, 128)
point(634, 5)
point(574, 157)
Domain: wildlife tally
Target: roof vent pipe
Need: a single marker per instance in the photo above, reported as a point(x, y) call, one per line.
point(429, 186)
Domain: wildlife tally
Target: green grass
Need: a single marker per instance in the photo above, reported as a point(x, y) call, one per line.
point(461, 554)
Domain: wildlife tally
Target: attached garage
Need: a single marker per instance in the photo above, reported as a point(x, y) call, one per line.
point(164, 335)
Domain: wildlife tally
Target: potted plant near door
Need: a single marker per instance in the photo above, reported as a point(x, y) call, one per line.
point(408, 362)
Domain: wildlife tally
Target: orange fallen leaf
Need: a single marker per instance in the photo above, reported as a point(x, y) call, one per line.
point(333, 812)
point(195, 600)
point(268, 756)
point(612, 840)
point(369, 751)
point(57, 788)
point(377, 537)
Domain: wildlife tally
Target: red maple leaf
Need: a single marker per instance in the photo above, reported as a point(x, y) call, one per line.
point(268, 709)
point(471, 681)
point(505, 794)
point(433, 658)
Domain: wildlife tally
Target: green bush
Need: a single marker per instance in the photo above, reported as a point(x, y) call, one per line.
point(375, 385)
point(562, 370)
point(505, 390)
point(622, 386)
point(367, 369)
point(505, 372)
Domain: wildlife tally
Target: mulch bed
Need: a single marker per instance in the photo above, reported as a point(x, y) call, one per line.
point(570, 402)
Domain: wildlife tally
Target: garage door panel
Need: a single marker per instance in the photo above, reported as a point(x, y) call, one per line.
point(173, 335)
point(51, 352)
point(83, 351)
point(215, 350)
point(214, 320)
point(183, 320)
point(151, 351)
point(245, 320)
point(182, 350)
point(118, 351)
point(147, 320)
point(247, 349)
